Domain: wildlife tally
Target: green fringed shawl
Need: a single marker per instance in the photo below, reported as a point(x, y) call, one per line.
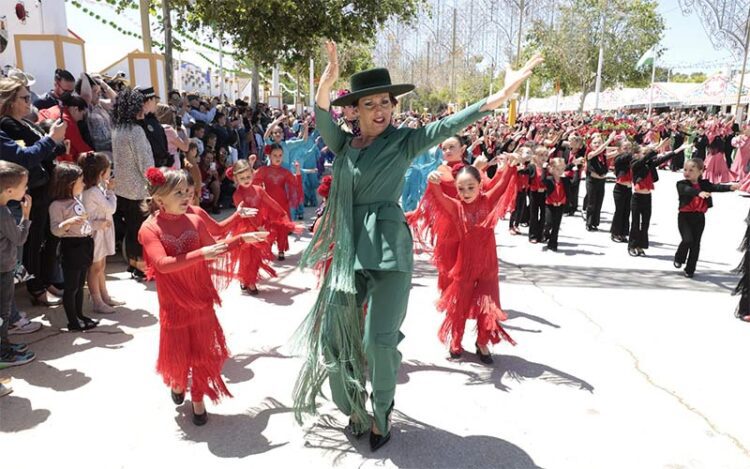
point(331, 334)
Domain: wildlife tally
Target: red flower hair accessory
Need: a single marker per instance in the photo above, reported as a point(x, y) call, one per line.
point(325, 186)
point(229, 173)
point(155, 177)
point(267, 150)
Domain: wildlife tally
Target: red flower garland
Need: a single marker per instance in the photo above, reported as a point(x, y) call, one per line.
point(229, 173)
point(155, 177)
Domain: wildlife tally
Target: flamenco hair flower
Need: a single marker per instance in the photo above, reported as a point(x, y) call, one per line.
point(229, 173)
point(267, 150)
point(342, 93)
point(155, 177)
point(325, 186)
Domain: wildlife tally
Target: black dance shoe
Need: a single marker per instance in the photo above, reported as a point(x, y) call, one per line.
point(177, 398)
point(633, 252)
point(689, 274)
point(455, 353)
point(677, 265)
point(486, 359)
point(200, 419)
point(88, 323)
point(281, 256)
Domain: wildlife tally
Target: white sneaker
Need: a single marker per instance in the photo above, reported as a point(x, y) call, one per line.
point(5, 390)
point(24, 326)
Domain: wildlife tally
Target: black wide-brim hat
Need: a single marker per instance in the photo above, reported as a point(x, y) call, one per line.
point(370, 82)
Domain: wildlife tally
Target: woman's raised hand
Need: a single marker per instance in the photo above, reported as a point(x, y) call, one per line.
point(514, 78)
point(331, 73)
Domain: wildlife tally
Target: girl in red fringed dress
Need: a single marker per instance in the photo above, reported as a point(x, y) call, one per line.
point(177, 248)
point(285, 188)
point(473, 291)
point(270, 216)
point(218, 229)
point(445, 250)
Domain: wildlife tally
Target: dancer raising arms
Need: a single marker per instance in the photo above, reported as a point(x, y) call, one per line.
point(177, 248)
point(644, 164)
point(270, 217)
point(695, 199)
point(372, 247)
point(472, 292)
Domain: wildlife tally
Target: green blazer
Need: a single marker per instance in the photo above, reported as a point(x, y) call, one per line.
point(381, 236)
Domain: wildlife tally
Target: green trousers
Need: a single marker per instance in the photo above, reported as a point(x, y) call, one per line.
point(387, 297)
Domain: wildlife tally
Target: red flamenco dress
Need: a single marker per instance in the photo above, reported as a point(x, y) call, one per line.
point(217, 229)
point(286, 189)
point(253, 258)
point(445, 250)
point(191, 341)
point(472, 291)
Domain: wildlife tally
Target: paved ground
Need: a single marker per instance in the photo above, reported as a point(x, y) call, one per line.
point(620, 363)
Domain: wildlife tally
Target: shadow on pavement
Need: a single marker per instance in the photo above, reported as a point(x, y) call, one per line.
point(278, 293)
point(17, 414)
point(616, 278)
point(232, 436)
point(43, 375)
point(513, 314)
point(418, 444)
point(413, 366)
point(518, 369)
point(236, 368)
point(505, 367)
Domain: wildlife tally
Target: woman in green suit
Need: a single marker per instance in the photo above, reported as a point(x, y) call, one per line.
point(364, 233)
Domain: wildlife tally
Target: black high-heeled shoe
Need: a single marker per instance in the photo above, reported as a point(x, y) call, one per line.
point(486, 359)
point(177, 398)
point(378, 441)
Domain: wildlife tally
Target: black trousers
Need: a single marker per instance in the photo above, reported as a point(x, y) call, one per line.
point(640, 208)
point(691, 225)
point(595, 194)
point(77, 254)
point(40, 250)
point(133, 214)
point(677, 161)
point(520, 210)
point(575, 187)
point(552, 218)
point(536, 214)
point(621, 219)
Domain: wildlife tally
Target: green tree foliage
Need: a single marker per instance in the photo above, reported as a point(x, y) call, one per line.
point(697, 77)
point(571, 45)
point(288, 31)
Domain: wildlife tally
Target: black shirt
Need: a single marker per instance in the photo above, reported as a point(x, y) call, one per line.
point(158, 140)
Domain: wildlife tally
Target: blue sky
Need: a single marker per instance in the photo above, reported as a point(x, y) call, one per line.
point(685, 40)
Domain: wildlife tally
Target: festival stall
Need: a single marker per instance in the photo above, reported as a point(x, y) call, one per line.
point(34, 37)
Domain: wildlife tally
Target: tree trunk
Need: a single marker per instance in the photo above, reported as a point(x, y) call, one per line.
point(168, 67)
point(256, 85)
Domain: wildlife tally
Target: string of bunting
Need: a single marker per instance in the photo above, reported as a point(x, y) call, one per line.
point(160, 20)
